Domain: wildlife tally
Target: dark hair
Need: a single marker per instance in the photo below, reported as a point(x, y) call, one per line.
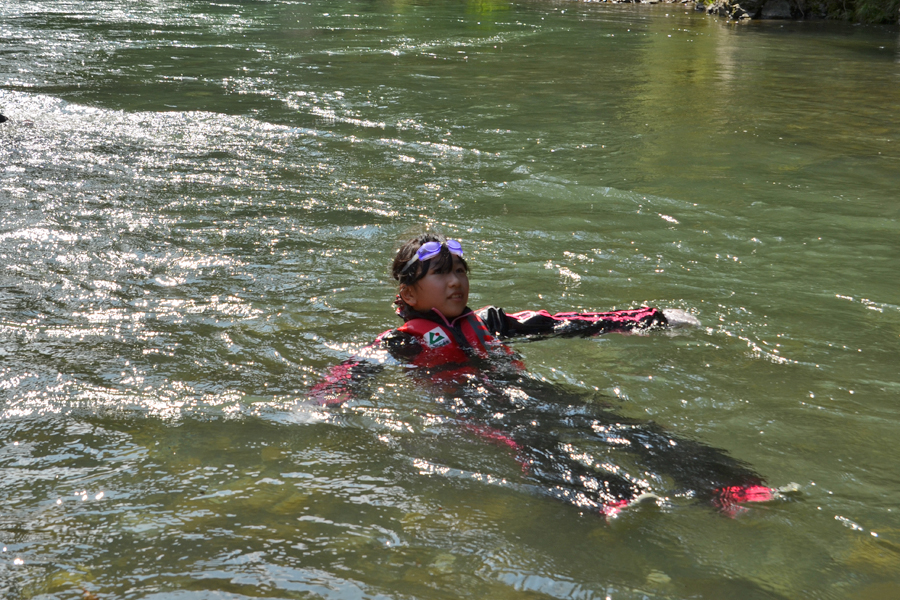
point(442, 263)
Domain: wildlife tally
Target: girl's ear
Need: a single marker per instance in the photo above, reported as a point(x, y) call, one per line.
point(408, 294)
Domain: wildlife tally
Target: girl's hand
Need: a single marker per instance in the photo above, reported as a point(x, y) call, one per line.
point(679, 318)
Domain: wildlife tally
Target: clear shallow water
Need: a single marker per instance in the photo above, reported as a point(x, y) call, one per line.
point(199, 203)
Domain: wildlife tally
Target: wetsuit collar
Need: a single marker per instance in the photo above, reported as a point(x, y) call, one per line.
point(437, 316)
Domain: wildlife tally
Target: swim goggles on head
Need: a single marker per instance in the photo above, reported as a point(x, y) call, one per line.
point(432, 249)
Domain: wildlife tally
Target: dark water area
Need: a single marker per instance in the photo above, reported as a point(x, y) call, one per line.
point(199, 203)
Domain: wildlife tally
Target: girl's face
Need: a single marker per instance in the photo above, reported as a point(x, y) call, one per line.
point(447, 292)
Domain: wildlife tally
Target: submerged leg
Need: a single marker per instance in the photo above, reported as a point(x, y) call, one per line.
point(547, 461)
point(541, 419)
point(595, 488)
point(698, 470)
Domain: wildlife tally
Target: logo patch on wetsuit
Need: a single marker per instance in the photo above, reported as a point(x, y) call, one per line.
point(436, 338)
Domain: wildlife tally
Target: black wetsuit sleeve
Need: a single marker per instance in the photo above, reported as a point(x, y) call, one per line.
point(400, 345)
point(344, 381)
point(496, 321)
point(541, 323)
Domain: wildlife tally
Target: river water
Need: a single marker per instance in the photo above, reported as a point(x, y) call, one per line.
point(198, 206)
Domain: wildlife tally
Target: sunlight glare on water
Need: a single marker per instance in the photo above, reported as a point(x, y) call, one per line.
point(198, 207)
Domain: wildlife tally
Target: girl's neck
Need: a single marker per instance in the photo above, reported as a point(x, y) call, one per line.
point(431, 314)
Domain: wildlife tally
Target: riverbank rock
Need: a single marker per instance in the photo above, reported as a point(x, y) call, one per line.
point(729, 9)
point(766, 9)
point(858, 11)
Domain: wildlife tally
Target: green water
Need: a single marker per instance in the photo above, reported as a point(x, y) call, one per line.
point(198, 206)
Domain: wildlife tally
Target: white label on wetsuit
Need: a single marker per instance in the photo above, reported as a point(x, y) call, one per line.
point(436, 338)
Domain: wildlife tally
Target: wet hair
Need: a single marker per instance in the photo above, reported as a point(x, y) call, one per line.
point(442, 263)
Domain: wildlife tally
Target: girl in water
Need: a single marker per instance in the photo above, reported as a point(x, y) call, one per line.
point(461, 351)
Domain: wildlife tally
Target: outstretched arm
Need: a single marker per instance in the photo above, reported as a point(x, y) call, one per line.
point(570, 324)
point(342, 381)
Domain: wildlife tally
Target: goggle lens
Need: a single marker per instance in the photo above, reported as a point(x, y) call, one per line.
point(432, 249)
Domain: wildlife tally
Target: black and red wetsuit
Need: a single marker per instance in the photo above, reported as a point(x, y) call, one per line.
point(448, 348)
point(455, 353)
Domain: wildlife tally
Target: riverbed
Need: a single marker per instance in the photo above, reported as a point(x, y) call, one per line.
point(199, 203)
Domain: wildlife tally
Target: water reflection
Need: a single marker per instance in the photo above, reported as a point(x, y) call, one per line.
point(196, 200)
